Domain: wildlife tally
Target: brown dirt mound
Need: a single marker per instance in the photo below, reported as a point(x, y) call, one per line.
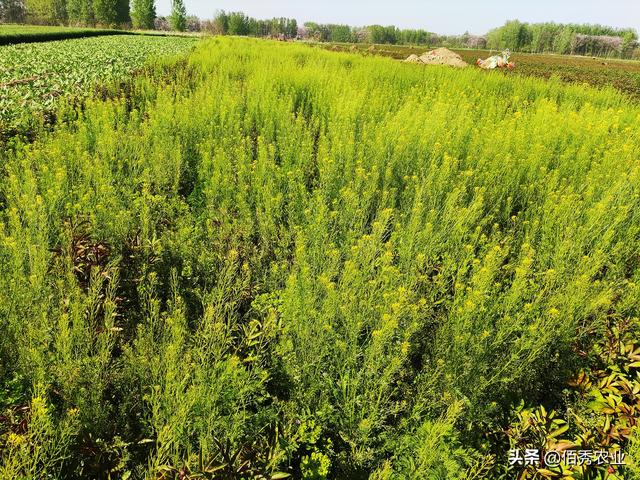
point(413, 59)
point(439, 56)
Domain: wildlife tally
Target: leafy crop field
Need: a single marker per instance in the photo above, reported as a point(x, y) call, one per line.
point(624, 75)
point(13, 34)
point(34, 78)
point(271, 261)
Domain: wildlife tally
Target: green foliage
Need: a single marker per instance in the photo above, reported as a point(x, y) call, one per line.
point(315, 466)
point(595, 40)
point(12, 11)
point(380, 34)
point(143, 14)
point(49, 12)
point(268, 261)
point(563, 39)
point(633, 454)
point(108, 13)
point(32, 88)
point(123, 9)
point(35, 441)
point(415, 37)
point(431, 450)
point(14, 34)
point(178, 18)
point(513, 35)
point(606, 417)
point(237, 23)
point(80, 12)
point(372, 34)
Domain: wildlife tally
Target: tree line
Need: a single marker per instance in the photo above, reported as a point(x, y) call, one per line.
point(140, 14)
point(237, 23)
point(575, 39)
point(572, 39)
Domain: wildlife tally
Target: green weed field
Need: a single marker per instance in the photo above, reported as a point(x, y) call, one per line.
point(271, 261)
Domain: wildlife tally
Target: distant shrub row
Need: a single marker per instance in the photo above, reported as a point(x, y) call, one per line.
point(23, 34)
point(139, 14)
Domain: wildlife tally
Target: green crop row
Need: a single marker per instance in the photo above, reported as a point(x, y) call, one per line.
point(270, 261)
point(35, 78)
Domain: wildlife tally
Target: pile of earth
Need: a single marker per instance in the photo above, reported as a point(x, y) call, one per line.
point(439, 56)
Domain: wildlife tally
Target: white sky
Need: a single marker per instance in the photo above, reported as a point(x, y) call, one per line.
point(441, 16)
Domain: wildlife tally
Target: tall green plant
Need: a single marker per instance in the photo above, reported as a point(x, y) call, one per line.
point(178, 18)
point(269, 260)
point(143, 14)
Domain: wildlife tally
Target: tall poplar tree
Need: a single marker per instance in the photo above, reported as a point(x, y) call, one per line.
point(122, 12)
point(106, 12)
point(178, 18)
point(143, 14)
point(78, 12)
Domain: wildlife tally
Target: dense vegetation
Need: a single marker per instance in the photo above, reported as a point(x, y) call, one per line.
point(178, 18)
point(143, 14)
point(564, 39)
point(274, 260)
point(105, 13)
point(36, 78)
point(83, 12)
point(237, 23)
point(12, 11)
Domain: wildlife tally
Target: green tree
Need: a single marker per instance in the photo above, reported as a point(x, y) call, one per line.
point(293, 28)
point(629, 41)
point(74, 11)
point(220, 24)
point(178, 18)
point(80, 12)
point(564, 40)
point(12, 11)
point(123, 12)
point(49, 12)
point(380, 34)
point(143, 14)
point(514, 35)
point(238, 24)
point(106, 12)
point(341, 33)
